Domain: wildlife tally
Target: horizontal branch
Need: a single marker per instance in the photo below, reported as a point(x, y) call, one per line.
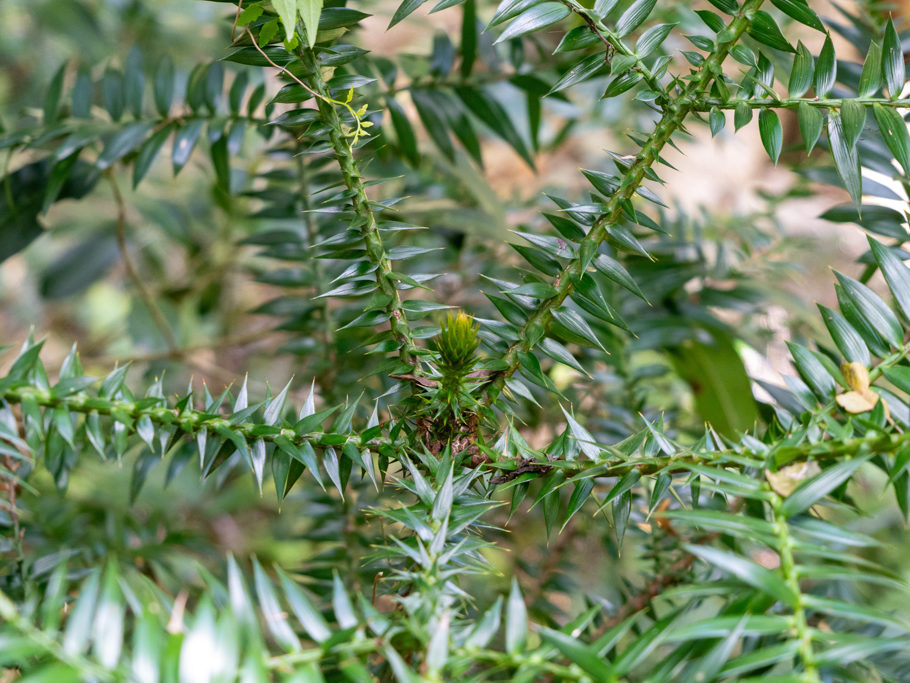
point(708, 103)
point(187, 420)
point(681, 463)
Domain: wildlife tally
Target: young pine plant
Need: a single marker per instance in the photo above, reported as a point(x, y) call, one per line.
point(571, 480)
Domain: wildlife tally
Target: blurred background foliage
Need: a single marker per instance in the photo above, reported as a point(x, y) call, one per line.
point(741, 258)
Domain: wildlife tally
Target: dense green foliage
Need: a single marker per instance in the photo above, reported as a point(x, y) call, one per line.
point(588, 396)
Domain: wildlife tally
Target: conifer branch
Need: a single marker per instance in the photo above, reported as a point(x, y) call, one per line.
point(676, 110)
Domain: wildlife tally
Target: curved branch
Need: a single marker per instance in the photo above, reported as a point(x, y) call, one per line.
point(675, 113)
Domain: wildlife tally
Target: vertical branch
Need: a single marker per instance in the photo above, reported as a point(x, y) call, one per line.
point(791, 576)
point(369, 228)
point(353, 181)
point(146, 295)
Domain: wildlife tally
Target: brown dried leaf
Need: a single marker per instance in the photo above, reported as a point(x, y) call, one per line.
point(786, 479)
point(856, 402)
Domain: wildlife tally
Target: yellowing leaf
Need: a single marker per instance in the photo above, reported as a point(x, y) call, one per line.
point(856, 375)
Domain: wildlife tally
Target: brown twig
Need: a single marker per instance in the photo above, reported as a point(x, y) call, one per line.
point(283, 70)
point(669, 577)
point(12, 485)
point(585, 17)
point(526, 467)
point(236, 19)
point(422, 381)
point(11, 488)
